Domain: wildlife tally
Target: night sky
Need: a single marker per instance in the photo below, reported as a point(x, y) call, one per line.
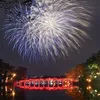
point(60, 66)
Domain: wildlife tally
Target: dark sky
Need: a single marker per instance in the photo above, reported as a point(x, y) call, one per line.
point(61, 66)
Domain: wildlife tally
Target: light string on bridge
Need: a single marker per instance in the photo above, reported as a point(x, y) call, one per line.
point(46, 84)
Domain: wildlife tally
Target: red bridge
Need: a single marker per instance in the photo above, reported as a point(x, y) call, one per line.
point(46, 84)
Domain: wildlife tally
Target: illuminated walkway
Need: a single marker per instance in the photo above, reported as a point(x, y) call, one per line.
point(46, 84)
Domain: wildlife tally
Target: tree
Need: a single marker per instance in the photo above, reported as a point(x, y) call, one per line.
point(76, 72)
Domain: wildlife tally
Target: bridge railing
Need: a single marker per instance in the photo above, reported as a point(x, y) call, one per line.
point(45, 84)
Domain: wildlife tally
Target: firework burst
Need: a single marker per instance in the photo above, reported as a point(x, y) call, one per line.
point(47, 28)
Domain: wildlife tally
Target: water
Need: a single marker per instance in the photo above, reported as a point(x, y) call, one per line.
point(58, 95)
point(88, 93)
point(37, 95)
point(10, 93)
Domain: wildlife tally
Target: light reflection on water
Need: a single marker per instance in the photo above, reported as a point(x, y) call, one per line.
point(10, 93)
point(37, 95)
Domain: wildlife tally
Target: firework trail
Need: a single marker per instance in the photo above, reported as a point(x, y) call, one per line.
point(47, 28)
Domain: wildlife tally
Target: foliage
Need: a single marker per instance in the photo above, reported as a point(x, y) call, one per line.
point(76, 72)
point(92, 73)
point(94, 60)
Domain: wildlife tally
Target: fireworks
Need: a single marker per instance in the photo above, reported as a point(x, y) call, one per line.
point(47, 28)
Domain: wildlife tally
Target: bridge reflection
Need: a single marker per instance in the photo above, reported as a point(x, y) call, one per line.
point(11, 93)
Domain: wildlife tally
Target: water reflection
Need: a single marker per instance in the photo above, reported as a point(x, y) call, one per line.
point(75, 93)
point(91, 92)
point(10, 93)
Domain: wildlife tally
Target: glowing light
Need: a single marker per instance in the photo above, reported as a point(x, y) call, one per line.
point(89, 87)
point(95, 76)
point(98, 73)
point(11, 78)
point(88, 80)
point(2, 74)
point(95, 90)
point(6, 79)
point(79, 91)
point(98, 94)
point(6, 88)
point(14, 74)
point(48, 28)
point(13, 93)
